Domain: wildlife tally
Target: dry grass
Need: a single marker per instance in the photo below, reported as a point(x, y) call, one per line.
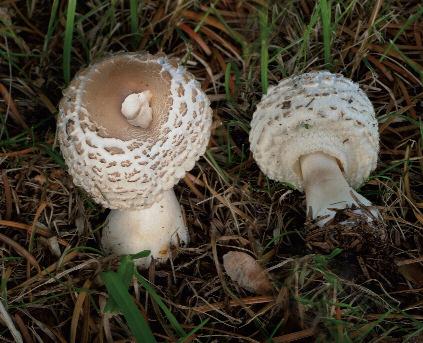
point(49, 251)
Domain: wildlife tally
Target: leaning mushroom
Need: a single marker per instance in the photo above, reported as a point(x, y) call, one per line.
point(130, 126)
point(318, 132)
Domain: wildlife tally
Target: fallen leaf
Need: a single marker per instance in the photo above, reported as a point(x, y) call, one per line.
point(247, 272)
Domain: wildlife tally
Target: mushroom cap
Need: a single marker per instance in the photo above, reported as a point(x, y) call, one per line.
point(124, 166)
point(315, 112)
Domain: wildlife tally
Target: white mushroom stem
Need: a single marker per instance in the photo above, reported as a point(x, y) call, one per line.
point(156, 228)
point(136, 109)
point(326, 188)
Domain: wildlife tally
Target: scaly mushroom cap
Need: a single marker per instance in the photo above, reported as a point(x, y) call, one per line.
point(122, 165)
point(315, 112)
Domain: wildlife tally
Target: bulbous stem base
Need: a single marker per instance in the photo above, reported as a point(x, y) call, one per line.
point(327, 190)
point(156, 228)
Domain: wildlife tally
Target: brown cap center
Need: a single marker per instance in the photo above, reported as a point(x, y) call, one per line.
point(109, 83)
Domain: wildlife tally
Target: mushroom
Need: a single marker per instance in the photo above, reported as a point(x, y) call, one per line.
point(129, 127)
point(318, 132)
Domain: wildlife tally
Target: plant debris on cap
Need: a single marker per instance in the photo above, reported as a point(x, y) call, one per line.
point(315, 112)
point(121, 165)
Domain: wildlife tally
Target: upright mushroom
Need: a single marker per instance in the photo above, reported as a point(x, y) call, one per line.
point(130, 126)
point(318, 132)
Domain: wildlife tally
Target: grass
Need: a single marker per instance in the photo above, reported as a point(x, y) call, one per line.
point(51, 25)
point(411, 20)
point(416, 67)
point(117, 284)
point(325, 13)
point(67, 45)
point(264, 47)
point(335, 296)
point(136, 321)
point(134, 23)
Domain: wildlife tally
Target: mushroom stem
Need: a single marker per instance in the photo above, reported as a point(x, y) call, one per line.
point(136, 109)
point(326, 188)
point(156, 228)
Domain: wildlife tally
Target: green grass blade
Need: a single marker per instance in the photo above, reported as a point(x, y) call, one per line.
point(234, 35)
point(302, 53)
point(203, 18)
point(264, 48)
point(172, 319)
point(416, 67)
point(413, 18)
point(55, 155)
point(127, 266)
point(126, 269)
point(193, 331)
point(213, 163)
point(370, 326)
point(51, 24)
point(112, 14)
point(229, 145)
point(231, 67)
point(325, 13)
point(67, 48)
point(133, 9)
point(280, 50)
point(227, 80)
point(91, 13)
point(344, 14)
point(136, 322)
